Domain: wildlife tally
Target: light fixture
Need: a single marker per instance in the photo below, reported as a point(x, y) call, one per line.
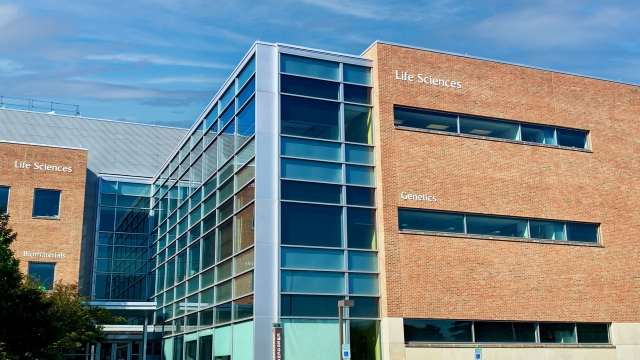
point(398, 121)
point(438, 127)
point(480, 132)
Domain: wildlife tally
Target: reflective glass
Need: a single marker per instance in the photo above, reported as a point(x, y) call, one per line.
point(557, 333)
point(360, 175)
point(312, 282)
point(210, 161)
point(207, 278)
point(222, 344)
point(245, 154)
point(134, 189)
point(363, 261)
point(209, 222)
point(356, 74)
point(311, 339)
point(572, 138)
point(222, 314)
point(309, 67)
point(227, 144)
point(490, 128)
point(246, 93)
point(320, 259)
point(46, 203)
point(311, 192)
point(42, 273)
point(497, 331)
point(361, 228)
point(246, 73)
point(311, 149)
point(194, 259)
point(310, 118)
point(244, 228)
point(365, 339)
point(245, 196)
point(309, 87)
point(430, 221)
point(437, 331)
point(225, 210)
point(211, 118)
point(311, 225)
point(243, 261)
point(537, 134)
point(309, 305)
point(223, 292)
point(206, 298)
point(245, 175)
point(361, 196)
point(107, 218)
point(243, 284)
point(246, 123)
point(425, 119)
point(209, 204)
point(357, 124)
point(224, 270)
point(549, 230)
point(226, 99)
point(497, 226)
point(365, 307)
point(108, 187)
point(593, 333)
point(313, 170)
point(226, 190)
point(105, 199)
point(208, 249)
point(225, 238)
point(363, 284)
point(242, 309)
point(357, 94)
point(359, 154)
point(582, 232)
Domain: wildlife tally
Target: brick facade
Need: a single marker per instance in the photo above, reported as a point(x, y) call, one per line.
point(63, 235)
point(463, 278)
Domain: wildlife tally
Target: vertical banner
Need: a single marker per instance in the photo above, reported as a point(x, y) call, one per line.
point(276, 332)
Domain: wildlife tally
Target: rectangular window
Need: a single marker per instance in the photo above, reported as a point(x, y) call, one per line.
point(489, 128)
point(360, 175)
point(437, 331)
point(361, 229)
point(311, 192)
point(320, 259)
point(357, 94)
point(316, 171)
point(309, 87)
point(248, 70)
point(309, 305)
point(359, 154)
point(572, 138)
point(360, 196)
point(497, 331)
point(315, 282)
point(46, 203)
point(425, 119)
point(4, 199)
point(496, 226)
point(310, 118)
point(311, 225)
point(557, 333)
point(246, 93)
point(363, 284)
point(298, 65)
point(356, 74)
point(357, 124)
point(246, 123)
point(430, 221)
point(538, 134)
point(311, 149)
point(43, 273)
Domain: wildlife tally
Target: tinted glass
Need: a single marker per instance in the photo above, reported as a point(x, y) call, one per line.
point(134, 189)
point(424, 119)
point(361, 231)
point(537, 134)
point(107, 218)
point(363, 284)
point(248, 70)
point(244, 228)
point(4, 198)
point(572, 138)
point(312, 282)
point(225, 238)
point(356, 74)
point(46, 203)
point(549, 230)
point(311, 192)
point(312, 149)
point(222, 313)
point(593, 333)
point(211, 118)
point(359, 175)
point(496, 226)
point(490, 128)
point(242, 309)
point(309, 87)
point(314, 171)
point(309, 67)
point(365, 307)
point(359, 154)
point(493, 331)
point(224, 271)
point(357, 94)
point(43, 273)
point(208, 250)
point(437, 331)
point(310, 118)
point(226, 116)
point(321, 259)
point(582, 232)
point(357, 124)
point(311, 225)
point(430, 221)
point(246, 93)
point(227, 97)
point(246, 122)
point(363, 261)
point(557, 333)
point(305, 305)
point(360, 196)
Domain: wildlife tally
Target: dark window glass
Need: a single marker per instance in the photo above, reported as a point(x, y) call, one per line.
point(223, 313)
point(101, 290)
point(356, 74)
point(248, 70)
point(243, 308)
point(360, 196)
point(557, 333)
point(46, 203)
point(309, 67)
point(582, 232)
point(357, 94)
point(310, 118)
point(107, 218)
point(430, 221)
point(572, 138)
point(365, 307)
point(496, 226)
point(593, 333)
point(210, 118)
point(43, 273)
point(357, 124)
point(550, 230)
point(227, 97)
point(225, 237)
point(209, 222)
point(226, 209)
point(359, 154)
point(309, 87)
point(524, 332)
point(537, 134)
point(310, 305)
point(437, 331)
point(365, 339)
point(424, 119)
point(246, 93)
point(246, 123)
point(490, 128)
point(311, 225)
point(226, 116)
point(208, 250)
point(312, 149)
point(361, 228)
point(493, 331)
point(302, 191)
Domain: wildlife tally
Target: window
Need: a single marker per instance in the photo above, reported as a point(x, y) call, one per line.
point(491, 225)
point(46, 203)
point(310, 118)
point(43, 273)
point(309, 67)
point(311, 225)
point(4, 199)
point(310, 87)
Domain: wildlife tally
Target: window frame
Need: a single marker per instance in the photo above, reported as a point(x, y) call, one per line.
point(6, 210)
point(56, 217)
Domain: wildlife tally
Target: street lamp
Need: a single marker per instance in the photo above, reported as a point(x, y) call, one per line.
point(341, 305)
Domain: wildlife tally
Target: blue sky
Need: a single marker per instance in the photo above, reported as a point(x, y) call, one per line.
point(161, 61)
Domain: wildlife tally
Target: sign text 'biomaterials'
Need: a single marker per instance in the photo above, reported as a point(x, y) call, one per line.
point(41, 166)
point(427, 79)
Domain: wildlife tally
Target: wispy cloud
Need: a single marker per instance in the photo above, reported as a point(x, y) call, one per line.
point(186, 79)
point(157, 60)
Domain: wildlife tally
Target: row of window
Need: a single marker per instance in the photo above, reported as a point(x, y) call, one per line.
point(46, 203)
point(220, 343)
point(490, 225)
point(486, 127)
point(239, 310)
point(452, 331)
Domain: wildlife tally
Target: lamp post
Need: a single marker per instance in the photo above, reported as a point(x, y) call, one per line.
point(341, 305)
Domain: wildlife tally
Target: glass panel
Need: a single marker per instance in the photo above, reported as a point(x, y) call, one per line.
point(244, 228)
point(224, 270)
point(227, 98)
point(245, 175)
point(309, 87)
point(363, 261)
point(210, 166)
point(359, 154)
point(243, 261)
point(246, 123)
point(246, 93)
point(311, 225)
point(496, 226)
point(209, 186)
point(302, 191)
point(225, 210)
point(222, 343)
point(134, 189)
point(360, 196)
point(363, 284)
point(205, 343)
point(572, 138)
point(248, 70)
point(593, 333)
point(223, 292)
point(225, 238)
point(365, 339)
point(582, 232)
point(320, 259)
point(225, 191)
point(206, 298)
point(211, 117)
point(365, 307)
point(309, 305)
point(361, 228)
point(310, 339)
point(107, 218)
point(430, 221)
point(181, 266)
point(105, 199)
point(42, 273)
point(356, 74)
point(312, 282)
point(243, 285)
point(243, 333)
point(309, 67)
point(424, 119)
point(245, 196)
point(557, 333)
point(357, 94)
point(194, 259)
point(46, 203)
point(207, 278)
point(357, 124)
point(245, 154)
point(437, 331)
point(227, 144)
point(312, 149)
point(549, 230)
point(108, 187)
point(537, 134)
point(489, 128)
point(4, 199)
point(360, 175)
point(310, 118)
point(311, 170)
point(494, 331)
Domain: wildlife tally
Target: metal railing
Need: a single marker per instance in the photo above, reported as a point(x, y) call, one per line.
point(38, 105)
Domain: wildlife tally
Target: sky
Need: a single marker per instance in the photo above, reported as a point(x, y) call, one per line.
point(161, 61)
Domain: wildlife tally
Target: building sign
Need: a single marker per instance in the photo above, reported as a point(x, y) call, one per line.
point(420, 197)
point(45, 255)
point(276, 332)
point(41, 166)
point(427, 79)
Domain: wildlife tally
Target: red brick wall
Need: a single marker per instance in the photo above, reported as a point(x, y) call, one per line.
point(456, 278)
point(63, 235)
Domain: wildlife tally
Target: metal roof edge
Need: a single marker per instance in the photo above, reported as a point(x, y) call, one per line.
point(43, 145)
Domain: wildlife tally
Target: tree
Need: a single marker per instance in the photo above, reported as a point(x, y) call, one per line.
point(35, 324)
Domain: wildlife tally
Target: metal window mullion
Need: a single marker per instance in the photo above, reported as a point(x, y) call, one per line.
point(473, 331)
point(519, 134)
point(575, 331)
point(464, 223)
point(537, 332)
point(458, 123)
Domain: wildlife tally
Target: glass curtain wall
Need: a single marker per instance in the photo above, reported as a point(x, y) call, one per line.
point(203, 234)
point(122, 241)
point(327, 210)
